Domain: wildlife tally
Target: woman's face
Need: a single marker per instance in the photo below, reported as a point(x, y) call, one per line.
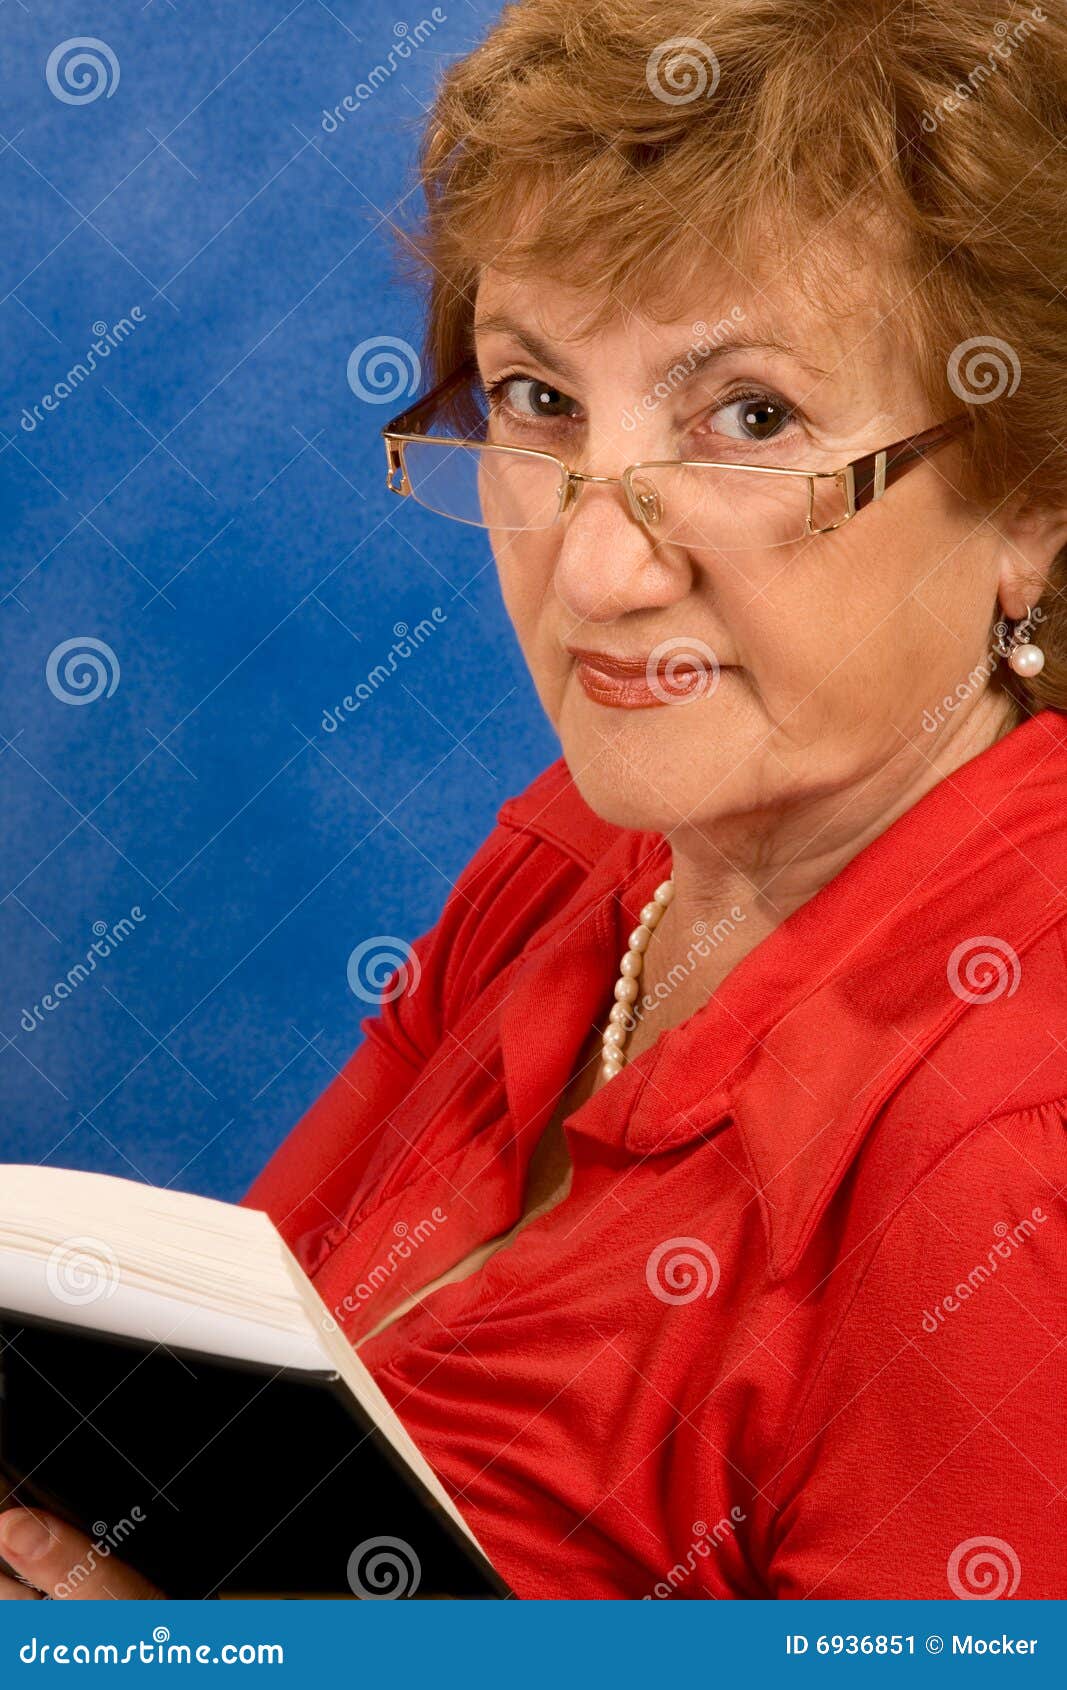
point(816, 657)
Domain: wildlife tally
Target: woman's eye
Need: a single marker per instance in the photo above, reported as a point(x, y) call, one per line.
point(528, 399)
point(755, 416)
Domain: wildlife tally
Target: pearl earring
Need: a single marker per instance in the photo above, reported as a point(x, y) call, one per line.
point(1010, 641)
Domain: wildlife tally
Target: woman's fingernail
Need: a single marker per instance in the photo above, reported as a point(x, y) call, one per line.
point(23, 1536)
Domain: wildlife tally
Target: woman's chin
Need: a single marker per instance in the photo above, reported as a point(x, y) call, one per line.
point(657, 768)
point(629, 787)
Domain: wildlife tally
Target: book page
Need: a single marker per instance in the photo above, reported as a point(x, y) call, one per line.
point(141, 1261)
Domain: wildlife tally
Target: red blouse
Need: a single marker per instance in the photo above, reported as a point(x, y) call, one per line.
point(799, 1329)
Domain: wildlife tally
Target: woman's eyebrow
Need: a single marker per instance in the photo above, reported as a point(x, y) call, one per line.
point(687, 362)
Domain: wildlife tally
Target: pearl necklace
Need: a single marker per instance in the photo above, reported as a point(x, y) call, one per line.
point(622, 1020)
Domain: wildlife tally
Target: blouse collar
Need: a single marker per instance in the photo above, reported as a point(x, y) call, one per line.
point(811, 1033)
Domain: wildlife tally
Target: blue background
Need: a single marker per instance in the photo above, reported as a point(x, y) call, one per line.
point(209, 503)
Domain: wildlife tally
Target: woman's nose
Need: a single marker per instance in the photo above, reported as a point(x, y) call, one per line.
point(608, 561)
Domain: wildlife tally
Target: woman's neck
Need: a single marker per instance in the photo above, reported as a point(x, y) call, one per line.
point(736, 882)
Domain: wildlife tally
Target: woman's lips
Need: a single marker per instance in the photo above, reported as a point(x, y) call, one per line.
point(639, 684)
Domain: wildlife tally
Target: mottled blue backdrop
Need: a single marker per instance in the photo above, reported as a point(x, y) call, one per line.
point(200, 561)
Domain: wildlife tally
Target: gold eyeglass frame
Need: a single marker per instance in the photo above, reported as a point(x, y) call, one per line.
point(862, 481)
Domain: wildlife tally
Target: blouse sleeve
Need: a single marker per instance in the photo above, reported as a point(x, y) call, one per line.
point(929, 1459)
point(309, 1179)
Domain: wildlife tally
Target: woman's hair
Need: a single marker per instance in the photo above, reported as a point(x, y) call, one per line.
point(621, 141)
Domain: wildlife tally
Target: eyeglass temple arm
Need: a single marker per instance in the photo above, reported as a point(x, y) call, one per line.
point(407, 422)
point(878, 470)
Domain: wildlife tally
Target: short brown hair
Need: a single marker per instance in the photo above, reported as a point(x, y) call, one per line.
point(942, 118)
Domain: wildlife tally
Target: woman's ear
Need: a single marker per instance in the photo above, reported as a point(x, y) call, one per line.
point(1028, 541)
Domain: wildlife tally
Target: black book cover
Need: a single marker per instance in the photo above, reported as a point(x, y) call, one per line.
point(214, 1477)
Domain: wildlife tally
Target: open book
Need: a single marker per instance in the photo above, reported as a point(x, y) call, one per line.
point(171, 1382)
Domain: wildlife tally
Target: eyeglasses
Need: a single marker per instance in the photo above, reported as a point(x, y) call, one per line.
point(694, 503)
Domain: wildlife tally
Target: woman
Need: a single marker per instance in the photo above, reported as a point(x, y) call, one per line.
point(697, 1194)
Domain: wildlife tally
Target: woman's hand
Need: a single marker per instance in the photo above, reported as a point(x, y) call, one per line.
point(55, 1560)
